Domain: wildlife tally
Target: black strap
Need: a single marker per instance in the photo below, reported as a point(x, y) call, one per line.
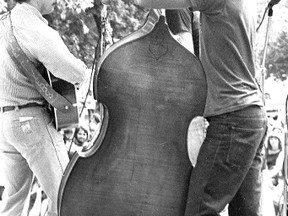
point(27, 67)
point(195, 25)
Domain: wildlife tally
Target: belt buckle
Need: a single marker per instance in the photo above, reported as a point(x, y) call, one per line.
point(1, 109)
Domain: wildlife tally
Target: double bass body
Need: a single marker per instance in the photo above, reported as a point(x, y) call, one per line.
point(152, 88)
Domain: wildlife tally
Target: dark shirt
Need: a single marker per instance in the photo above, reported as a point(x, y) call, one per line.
point(183, 20)
point(271, 158)
point(179, 20)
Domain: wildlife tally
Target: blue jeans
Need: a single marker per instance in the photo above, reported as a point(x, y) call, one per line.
point(30, 145)
point(228, 169)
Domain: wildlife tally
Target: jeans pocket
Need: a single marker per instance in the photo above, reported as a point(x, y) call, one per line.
point(26, 131)
point(244, 143)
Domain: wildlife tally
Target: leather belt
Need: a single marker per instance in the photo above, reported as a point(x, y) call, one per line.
point(10, 108)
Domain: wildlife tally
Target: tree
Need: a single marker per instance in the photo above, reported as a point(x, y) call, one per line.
point(77, 27)
point(80, 26)
point(124, 18)
point(277, 61)
point(277, 49)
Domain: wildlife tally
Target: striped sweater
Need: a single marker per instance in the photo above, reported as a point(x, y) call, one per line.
point(40, 43)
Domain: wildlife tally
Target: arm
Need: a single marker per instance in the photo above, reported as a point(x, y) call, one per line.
point(278, 166)
point(179, 22)
point(168, 4)
point(42, 43)
point(59, 61)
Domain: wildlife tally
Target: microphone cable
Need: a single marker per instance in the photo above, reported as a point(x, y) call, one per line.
point(270, 12)
point(263, 17)
point(99, 49)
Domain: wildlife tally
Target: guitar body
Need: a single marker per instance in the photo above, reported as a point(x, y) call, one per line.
point(67, 90)
point(151, 87)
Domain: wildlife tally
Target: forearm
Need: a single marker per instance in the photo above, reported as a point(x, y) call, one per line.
point(168, 4)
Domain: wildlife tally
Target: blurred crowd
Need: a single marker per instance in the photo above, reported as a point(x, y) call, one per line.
point(79, 139)
point(273, 167)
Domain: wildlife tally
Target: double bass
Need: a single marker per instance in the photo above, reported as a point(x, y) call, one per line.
point(151, 87)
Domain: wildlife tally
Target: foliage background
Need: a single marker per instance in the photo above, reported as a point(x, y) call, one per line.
point(277, 50)
point(78, 22)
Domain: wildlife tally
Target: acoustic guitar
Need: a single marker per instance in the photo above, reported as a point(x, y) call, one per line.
point(68, 91)
point(57, 92)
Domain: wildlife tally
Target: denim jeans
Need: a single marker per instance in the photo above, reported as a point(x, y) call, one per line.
point(29, 144)
point(228, 169)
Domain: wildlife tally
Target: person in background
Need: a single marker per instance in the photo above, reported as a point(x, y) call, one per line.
point(79, 141)
point(29, 143)
point(95, 118)
point(94, 129)
point(228, 169)
point(273, 151)
point(1, 191)
point(94, 125)
point(68, 136)
point(272, 173)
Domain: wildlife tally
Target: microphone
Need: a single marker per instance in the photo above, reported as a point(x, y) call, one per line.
point(272, 3)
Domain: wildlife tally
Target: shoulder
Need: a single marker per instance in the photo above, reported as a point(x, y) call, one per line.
point(26, 17)
point(208, 6)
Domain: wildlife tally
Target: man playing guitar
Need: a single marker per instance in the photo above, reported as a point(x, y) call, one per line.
point(29, 143)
